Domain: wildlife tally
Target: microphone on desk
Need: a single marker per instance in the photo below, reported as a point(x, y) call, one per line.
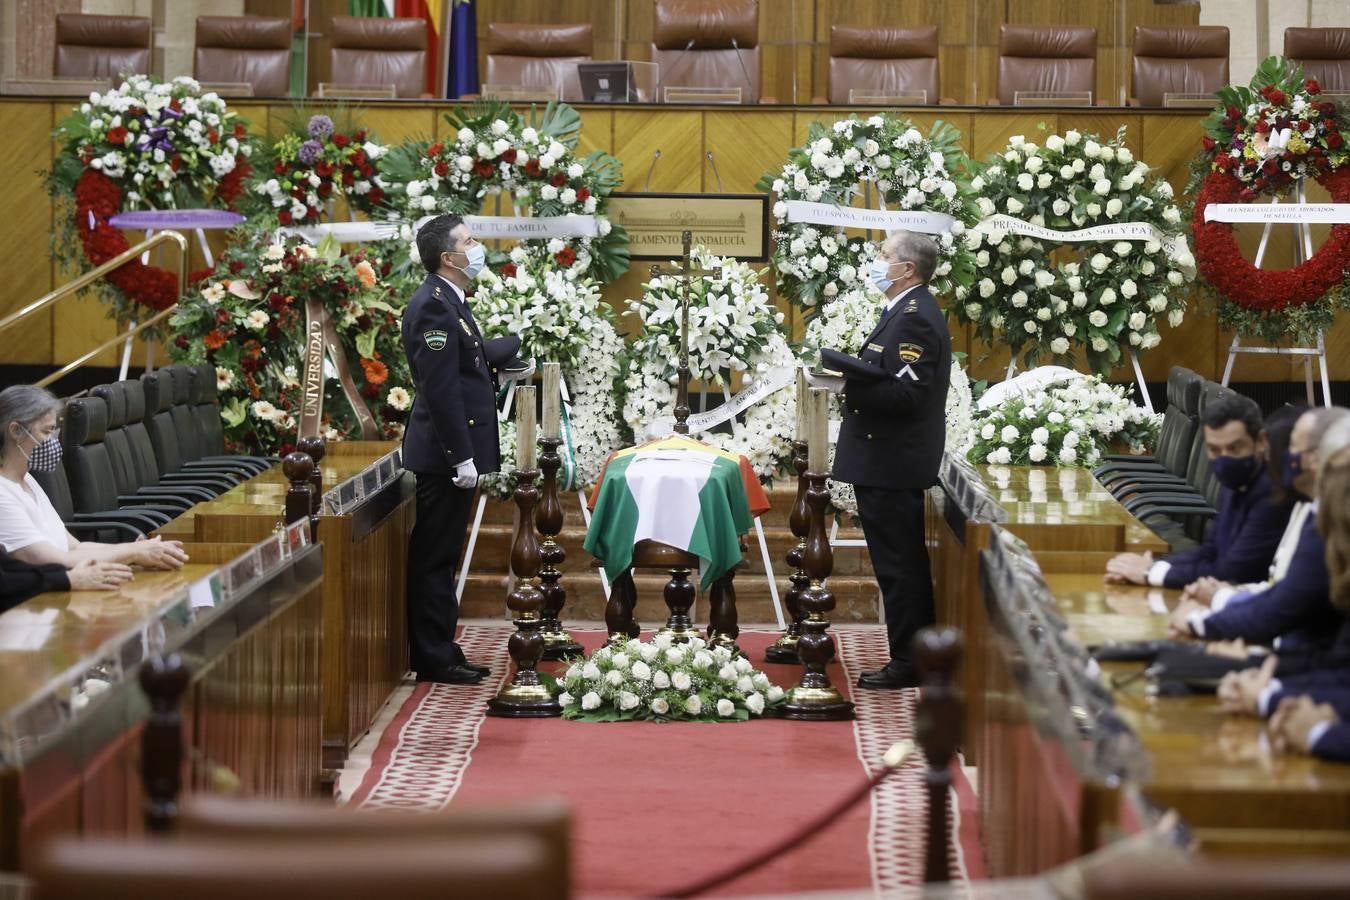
point(716, 174)
point(687, 47)
point(749, 87)
point(656, 157)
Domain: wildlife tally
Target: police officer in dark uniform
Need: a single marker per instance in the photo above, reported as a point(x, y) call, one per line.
point(891, 441)
point(451, 440)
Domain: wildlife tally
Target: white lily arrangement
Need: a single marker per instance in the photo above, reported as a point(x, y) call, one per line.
point(734, 330)
point(1068, 424)
point(664, 681)
point(1116, 294)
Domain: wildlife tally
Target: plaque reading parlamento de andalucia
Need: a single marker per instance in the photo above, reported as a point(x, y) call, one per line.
point(735, 225)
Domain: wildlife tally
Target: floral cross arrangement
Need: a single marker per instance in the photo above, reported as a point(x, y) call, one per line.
point(734, 331)
point(1068, 424)
point(1262, 141)
point(664, 681)
point(312, 168)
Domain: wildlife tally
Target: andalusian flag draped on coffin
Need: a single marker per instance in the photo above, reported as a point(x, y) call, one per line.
point(679, 492)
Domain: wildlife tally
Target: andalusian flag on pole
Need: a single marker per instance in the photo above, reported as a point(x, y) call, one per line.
point(370, 8)
point(679, 492)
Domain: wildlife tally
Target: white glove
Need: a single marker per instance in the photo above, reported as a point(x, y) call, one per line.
point(832, 383)
point(522, 375)
point(466, 475)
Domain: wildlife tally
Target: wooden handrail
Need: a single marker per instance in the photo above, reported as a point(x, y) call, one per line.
point(121, 337)
point(97, 272)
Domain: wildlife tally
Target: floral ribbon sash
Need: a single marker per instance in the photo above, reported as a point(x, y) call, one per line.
point(320, 336)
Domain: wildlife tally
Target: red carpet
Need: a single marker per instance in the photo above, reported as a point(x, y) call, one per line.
point(655, 806)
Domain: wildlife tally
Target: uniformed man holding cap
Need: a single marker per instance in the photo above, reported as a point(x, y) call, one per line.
point(891, 440)
point(451, 439)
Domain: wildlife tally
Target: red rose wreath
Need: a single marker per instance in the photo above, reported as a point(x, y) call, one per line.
point(1261, 142)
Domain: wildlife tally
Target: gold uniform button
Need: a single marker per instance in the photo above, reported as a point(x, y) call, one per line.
point(471, 422)
point(855, 412)
point(869, 437)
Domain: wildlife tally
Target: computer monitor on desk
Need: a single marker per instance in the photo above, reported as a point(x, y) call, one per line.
point(607, 82)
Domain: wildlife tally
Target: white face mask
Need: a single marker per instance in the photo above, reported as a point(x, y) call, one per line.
point(877, 273)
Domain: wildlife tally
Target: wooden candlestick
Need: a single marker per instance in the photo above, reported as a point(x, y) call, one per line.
point(552, 399)
point(524, 696)
point(818, 430)
point(803, 398)
point(558, 643)
point(937, 730)
point(784, 650)
point(814, 697)
point(163, 680)
point(526, 437)
point(298, 468)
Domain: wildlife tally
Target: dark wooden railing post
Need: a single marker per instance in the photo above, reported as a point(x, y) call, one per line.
point(784, 650)
point(163, 679)
point(298, 468)
point(937, 729)
point(314, 447)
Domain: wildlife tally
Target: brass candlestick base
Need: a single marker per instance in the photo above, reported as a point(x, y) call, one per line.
point(815, 698)
point(558, 643)
point(524, 696)
point(784, 650)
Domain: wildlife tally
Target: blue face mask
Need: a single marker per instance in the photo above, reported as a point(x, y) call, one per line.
point(477, 256)
point(877, 273)
point(1234, 472)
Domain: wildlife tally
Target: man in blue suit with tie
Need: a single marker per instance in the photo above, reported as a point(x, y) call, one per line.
point(451, 440)
point(892, 437)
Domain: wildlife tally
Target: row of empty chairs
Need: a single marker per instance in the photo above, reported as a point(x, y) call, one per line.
point(693, 44)
point(140, 452)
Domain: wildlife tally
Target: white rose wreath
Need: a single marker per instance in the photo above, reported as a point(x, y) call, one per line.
point(909, 171)
point(1115, 295)
point(734, 329)
point(843, 324)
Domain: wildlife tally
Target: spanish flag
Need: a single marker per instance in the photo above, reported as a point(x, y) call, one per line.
point(430, 11)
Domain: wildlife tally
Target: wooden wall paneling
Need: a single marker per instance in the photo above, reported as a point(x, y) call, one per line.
point(25, 269)
point(745, 146)
point(597, 133)
point(638, 133)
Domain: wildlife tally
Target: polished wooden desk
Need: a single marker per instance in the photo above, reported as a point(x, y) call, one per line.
point(71, 710)
point(365, 652)
point(1216, 769)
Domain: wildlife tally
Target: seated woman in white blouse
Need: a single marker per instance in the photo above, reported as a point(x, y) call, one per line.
point(30, 528)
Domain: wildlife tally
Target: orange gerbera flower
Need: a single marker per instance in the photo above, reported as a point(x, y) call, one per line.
point(366, 273)
point(376, 371)
point(214, 340)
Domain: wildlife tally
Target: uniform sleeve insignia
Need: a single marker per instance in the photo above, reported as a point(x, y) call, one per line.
point(911, 353)
point(912, 306)
point(876, 347)
point(436, 291)
point(435, 340)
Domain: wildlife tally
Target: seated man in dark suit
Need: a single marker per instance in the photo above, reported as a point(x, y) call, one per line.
point(1246, 532)
point(1321, 729)
point(1297, 607)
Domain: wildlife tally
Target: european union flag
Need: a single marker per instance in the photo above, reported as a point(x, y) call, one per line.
point(463, 75)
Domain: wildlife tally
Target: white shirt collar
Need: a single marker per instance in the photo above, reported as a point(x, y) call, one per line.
point(457, 291)
point(890, 303)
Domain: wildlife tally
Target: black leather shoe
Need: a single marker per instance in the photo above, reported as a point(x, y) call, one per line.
point(481, 670)
point(452, 675)
point(889, 678)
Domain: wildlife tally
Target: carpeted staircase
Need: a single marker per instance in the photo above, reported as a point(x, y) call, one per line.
point(855, 589)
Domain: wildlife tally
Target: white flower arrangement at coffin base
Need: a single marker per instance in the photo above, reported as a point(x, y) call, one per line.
point(843, 324)
point(660, 680)
point(908, 170)
point(733, 328)
point(1117, 293)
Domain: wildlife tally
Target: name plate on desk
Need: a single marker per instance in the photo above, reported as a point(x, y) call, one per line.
point(1052, 98)
point(864, 97)
point(735, 225)
point(702, 95)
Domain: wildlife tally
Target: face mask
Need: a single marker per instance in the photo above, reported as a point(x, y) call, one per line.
point(1291, 468)
point(46, 456)
point(477, 256)
point(1234, 471)
point(877, 274)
